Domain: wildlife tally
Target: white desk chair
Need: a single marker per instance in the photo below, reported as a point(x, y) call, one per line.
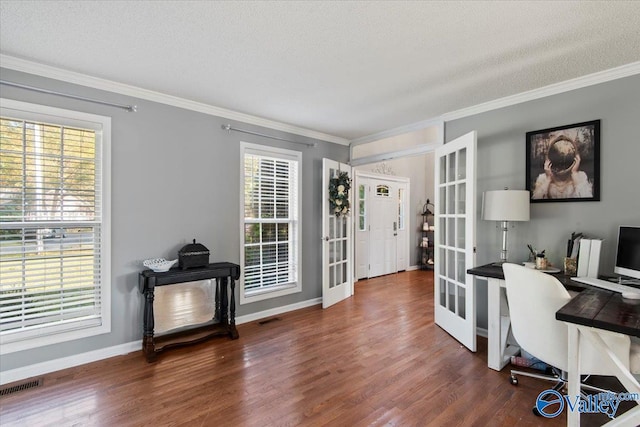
point(534, 297)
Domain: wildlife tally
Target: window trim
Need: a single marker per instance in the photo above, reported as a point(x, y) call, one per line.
point(102, 126)
point(288, 288)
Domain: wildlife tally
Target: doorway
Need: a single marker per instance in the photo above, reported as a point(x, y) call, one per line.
point(382, 232)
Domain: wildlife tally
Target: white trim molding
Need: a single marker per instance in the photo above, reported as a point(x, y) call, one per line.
point(552, 89)
point(18, 64)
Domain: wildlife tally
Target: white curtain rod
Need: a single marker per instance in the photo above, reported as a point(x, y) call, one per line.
point(129, 108)
point(228, 128)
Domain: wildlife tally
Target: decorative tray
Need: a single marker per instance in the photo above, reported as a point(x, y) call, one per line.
point(159, 265)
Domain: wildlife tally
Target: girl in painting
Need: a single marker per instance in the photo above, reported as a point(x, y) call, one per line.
point(562, 177)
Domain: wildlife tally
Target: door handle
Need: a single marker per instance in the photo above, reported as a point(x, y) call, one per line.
point(325, 238)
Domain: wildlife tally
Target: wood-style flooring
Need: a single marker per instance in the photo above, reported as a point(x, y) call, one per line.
point(374, 359)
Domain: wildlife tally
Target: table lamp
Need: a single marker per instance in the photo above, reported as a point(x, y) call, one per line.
point(505, 205)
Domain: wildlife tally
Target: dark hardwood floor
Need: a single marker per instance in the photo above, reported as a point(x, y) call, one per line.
point(374, 359)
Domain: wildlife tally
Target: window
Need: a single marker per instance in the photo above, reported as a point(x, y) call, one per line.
point(54, 234)
point(362, 206)
point(382, 190)
point(271, 222)
point(401, 209)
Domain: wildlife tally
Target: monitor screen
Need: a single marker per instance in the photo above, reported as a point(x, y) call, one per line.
point(628, 253)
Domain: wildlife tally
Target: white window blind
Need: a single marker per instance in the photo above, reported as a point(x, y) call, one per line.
point(51, 229)
point(270, 221)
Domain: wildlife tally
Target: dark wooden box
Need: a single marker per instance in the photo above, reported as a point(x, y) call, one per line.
point(193, 255)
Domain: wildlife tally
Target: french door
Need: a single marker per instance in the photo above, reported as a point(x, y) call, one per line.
point(337, 253)
point(455, 200)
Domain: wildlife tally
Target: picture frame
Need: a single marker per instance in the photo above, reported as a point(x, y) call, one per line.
point(563, 163)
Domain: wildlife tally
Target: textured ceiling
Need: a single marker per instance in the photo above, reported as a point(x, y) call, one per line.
point(348, 69)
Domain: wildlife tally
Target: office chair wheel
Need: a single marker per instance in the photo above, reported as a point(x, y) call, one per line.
point(513, 380)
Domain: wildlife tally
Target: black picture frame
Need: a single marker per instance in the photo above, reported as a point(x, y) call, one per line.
point(563, 163)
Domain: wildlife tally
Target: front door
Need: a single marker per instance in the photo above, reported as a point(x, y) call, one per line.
point(383, 229)
point(455, 177)
point(337, 255)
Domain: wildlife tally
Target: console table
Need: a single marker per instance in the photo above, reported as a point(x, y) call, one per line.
point(223, 322)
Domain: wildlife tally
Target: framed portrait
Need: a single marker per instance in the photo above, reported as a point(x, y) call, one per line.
point(563, 163)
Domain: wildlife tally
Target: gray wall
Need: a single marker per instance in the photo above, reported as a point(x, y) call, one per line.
point(175, 177)
point(501, 163)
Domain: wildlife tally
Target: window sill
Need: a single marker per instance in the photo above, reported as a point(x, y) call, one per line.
point(263, 294)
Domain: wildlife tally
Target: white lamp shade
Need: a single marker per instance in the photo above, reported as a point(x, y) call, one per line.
point(505, 205)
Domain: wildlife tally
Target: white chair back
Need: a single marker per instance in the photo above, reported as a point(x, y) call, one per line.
point(534, 297)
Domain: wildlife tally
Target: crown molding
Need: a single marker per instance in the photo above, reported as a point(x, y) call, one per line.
point(30, 67)
point(401, 130)
point(552, 89)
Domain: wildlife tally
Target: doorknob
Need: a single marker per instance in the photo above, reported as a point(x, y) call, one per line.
point(325, 238)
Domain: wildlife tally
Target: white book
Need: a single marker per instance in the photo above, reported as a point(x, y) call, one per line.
point(583, 257)
point(594, 258)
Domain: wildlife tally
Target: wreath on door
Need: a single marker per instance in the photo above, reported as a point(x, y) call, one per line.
point(339, 194)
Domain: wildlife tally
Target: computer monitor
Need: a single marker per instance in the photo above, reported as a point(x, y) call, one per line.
point(628, 253)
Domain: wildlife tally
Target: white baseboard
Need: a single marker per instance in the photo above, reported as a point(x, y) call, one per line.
point(413, 267)
point(49, 366)
point(42, 368)
point(278, 310)
point(482, 332)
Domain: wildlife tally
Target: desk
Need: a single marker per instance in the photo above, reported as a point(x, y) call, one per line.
point(224, 319)
point(587, 312)
point(501, 345)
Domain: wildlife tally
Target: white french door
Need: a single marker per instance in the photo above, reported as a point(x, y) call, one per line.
point(337, 253)
point(454, 299)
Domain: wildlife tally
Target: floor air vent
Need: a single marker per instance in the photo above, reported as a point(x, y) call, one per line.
point(5, 391)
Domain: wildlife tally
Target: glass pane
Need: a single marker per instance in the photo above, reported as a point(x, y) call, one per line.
point(361, 191)
point(338, 251)
point(443, 231)
point(251, 233)
point(344, 250)
point(451, 199)
point(443, 170)
point(339, 227)
point(361, 207)
point(361, 225)
point(268, 232)
point(332, 256)
point(462, 195)
point(332, 227)
point(382, 190)
point(344, 224)
point(451, 264)
point(462, 276)
point(344, 271)
point(339, 279)
point(283, 232)
point(332, 276)
point(460, 242)
point(451, 297)
point(443, 198)
point(462, 163)
point(443, 292)
point(451, 232)
point(451, 167)
point(462, 312)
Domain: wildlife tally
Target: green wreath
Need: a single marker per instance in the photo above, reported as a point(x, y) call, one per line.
point(339, 194)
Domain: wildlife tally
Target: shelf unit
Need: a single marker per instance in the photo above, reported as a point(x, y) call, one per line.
point(426, 243)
